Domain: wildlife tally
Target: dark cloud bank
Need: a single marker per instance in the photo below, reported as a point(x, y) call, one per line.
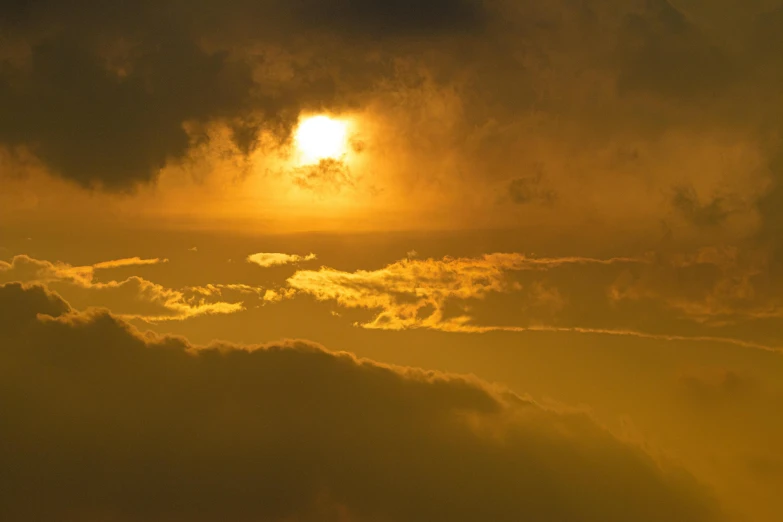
point(103, 423)
point(100, 91)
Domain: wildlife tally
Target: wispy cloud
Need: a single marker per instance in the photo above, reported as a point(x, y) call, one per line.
point(266, 260)
point(455, 326)
point(414, 293)
point(130, 261)
point(134, 297)
point(713, 286)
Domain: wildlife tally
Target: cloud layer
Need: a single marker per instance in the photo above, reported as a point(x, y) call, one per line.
point(414, 293)
point(133, 297)
point(126, 82)
point(711, 295)
point(106, 423)
point(656, 109)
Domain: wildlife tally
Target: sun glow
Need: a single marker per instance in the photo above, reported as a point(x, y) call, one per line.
point(321, 137)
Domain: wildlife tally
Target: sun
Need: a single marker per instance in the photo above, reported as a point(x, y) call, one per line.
point(321, 137)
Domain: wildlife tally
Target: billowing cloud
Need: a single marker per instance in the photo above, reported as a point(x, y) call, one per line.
point(738, 402)
point(26, 269)
point(265, 260)
point(617, 102)
point(107, 423)
point(130, 88)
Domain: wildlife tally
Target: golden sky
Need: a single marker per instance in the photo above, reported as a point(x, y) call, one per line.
point(392, 261)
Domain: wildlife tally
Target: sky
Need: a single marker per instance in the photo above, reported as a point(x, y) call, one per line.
point(375, 261)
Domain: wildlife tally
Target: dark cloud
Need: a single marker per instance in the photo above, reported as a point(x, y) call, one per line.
point(665, 53)
point(771, 208)
point(100, 92)
point(21, 304)
point(768, 46)
point(114, 128)
point(716, 384)
point(529, 189)
point(767, 42)
point(104, 91)
point(328, 175)
point(16, 11)
point(107, 424)
point(712, 214)
point(382, 18)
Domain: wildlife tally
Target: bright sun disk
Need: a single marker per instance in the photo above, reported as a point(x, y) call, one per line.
point(320, 137)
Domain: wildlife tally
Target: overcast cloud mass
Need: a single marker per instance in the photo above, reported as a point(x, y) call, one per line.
point(530, 269)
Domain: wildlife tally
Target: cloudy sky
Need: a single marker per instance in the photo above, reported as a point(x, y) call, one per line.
point(394, 261)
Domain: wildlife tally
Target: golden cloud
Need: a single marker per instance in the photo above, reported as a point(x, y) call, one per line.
point(266, 260)
point(440, 295)
point(133, 297)
point(414, 293)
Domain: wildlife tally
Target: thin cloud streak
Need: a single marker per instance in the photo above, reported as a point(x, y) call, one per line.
point(130, 261)
point(462, 328)
point(267, 259)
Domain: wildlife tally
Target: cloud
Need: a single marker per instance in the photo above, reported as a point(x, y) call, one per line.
point(107, 423)
point(152, 81)
point(24, 268)
point(132, 261)
point(327, 176)
point(528, 189)
point(715, 383)
point(665, 53)
point(712, 214)
point(266, 260)
point(220, 288)
point(482, 89)
point(415, 293)
point(516, 293)
point(275, 296)
point(117, 76)
point(27, 268)
point(737, 401)
point(134, 297)
point(467, 328)
point(712, 285)
point(410, 18)
point(21, 303)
